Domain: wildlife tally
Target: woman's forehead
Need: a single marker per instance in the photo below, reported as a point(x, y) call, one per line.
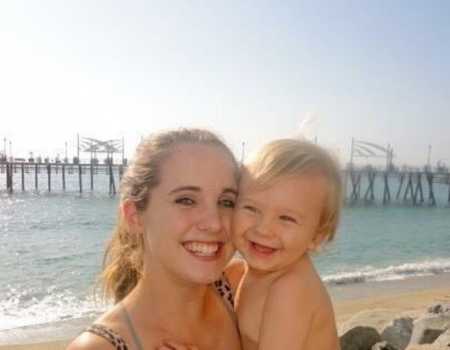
point(198, 165)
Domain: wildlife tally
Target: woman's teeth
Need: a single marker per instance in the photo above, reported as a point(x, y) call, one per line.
point(202, 248)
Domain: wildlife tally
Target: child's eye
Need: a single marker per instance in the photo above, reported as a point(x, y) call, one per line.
point(227, 203)
point(288, 218)
point(249, 208)
point(185, 201)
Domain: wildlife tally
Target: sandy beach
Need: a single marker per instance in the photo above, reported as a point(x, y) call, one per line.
point(372, 304)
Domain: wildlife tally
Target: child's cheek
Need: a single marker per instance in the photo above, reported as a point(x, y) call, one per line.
point(238, 226)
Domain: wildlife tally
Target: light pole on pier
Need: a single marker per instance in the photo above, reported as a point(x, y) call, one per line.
point(123, 150)
point(429, 157)
point(351, 152)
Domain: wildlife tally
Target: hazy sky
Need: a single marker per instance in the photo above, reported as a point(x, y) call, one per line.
point(250, 70)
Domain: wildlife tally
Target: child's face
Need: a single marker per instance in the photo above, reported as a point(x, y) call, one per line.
point(274, 227)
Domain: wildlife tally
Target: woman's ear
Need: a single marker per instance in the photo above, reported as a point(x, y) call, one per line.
point(132, 217)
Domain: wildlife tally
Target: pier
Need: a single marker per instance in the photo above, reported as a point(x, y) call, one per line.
point(363, 185)
point(367, 186)
point(407, 187)
point(60, 177)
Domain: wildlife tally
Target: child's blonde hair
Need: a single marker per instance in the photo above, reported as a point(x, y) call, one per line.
point(291, 157)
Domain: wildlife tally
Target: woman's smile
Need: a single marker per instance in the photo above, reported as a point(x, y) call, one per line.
point(208, 250)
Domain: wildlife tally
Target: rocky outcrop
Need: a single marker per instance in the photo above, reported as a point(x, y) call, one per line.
point(427, 329)
point(431, 331)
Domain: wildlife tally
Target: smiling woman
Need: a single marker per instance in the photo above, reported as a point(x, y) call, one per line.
point(171, 242)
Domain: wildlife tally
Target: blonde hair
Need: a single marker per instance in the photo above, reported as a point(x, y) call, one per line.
point(123, 258)
point(292, 157)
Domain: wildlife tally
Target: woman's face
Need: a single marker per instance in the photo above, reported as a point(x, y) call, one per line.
point(188, 217)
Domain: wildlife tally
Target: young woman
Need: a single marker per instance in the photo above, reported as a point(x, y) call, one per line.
point(163, 266)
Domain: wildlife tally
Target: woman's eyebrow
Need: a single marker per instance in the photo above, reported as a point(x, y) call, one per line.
point(198, 189)
point(230, 190)
point(185, 188)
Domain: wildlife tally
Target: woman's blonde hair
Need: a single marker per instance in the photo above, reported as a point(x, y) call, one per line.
point(123, 259)
point(292, 157)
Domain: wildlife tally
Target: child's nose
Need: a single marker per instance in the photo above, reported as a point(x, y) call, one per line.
point(264, 227)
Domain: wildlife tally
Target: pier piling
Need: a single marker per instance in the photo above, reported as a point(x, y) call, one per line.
point(92, 176)
point(63, 174)
point(22, 173)
point(431, 198)
point(80, 178)
point(387, 191)
point(49, 178)
point(400, 186)
point(369, 196)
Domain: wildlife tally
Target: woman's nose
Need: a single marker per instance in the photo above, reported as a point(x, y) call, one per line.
point(211, 220)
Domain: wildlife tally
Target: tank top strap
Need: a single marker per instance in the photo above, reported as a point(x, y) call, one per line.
point(126, 317)
point(108, 334)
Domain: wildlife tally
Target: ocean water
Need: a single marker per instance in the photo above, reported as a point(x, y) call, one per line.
point(51, 247)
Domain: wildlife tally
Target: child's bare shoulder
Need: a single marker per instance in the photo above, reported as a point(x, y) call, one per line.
point(298, 284)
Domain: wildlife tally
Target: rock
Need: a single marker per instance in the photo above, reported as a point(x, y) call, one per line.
point(439, 308)
point(375, 318)
point(384, 345)
point(360, 338)
point(430, 335)
point(428, 329)
point(435, 309)
point(423, 347)
point(443, 342)
point(399, 333)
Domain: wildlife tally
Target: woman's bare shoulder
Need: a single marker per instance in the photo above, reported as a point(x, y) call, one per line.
point(107, 322)
point(90, 341)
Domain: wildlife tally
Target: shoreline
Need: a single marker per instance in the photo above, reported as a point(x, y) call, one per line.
point(376, 302)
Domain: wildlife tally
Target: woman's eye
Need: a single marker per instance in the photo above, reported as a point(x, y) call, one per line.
point(227, 203)
point(184, 201)
point(288, 218)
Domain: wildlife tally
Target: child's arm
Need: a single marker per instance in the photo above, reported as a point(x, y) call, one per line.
point(287, 316)
point(297, 313)
point(234, 272)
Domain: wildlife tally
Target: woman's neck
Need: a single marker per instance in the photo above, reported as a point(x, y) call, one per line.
point(162, 297)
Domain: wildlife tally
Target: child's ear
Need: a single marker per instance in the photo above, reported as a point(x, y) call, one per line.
point(132, 218)
point(316, 243)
